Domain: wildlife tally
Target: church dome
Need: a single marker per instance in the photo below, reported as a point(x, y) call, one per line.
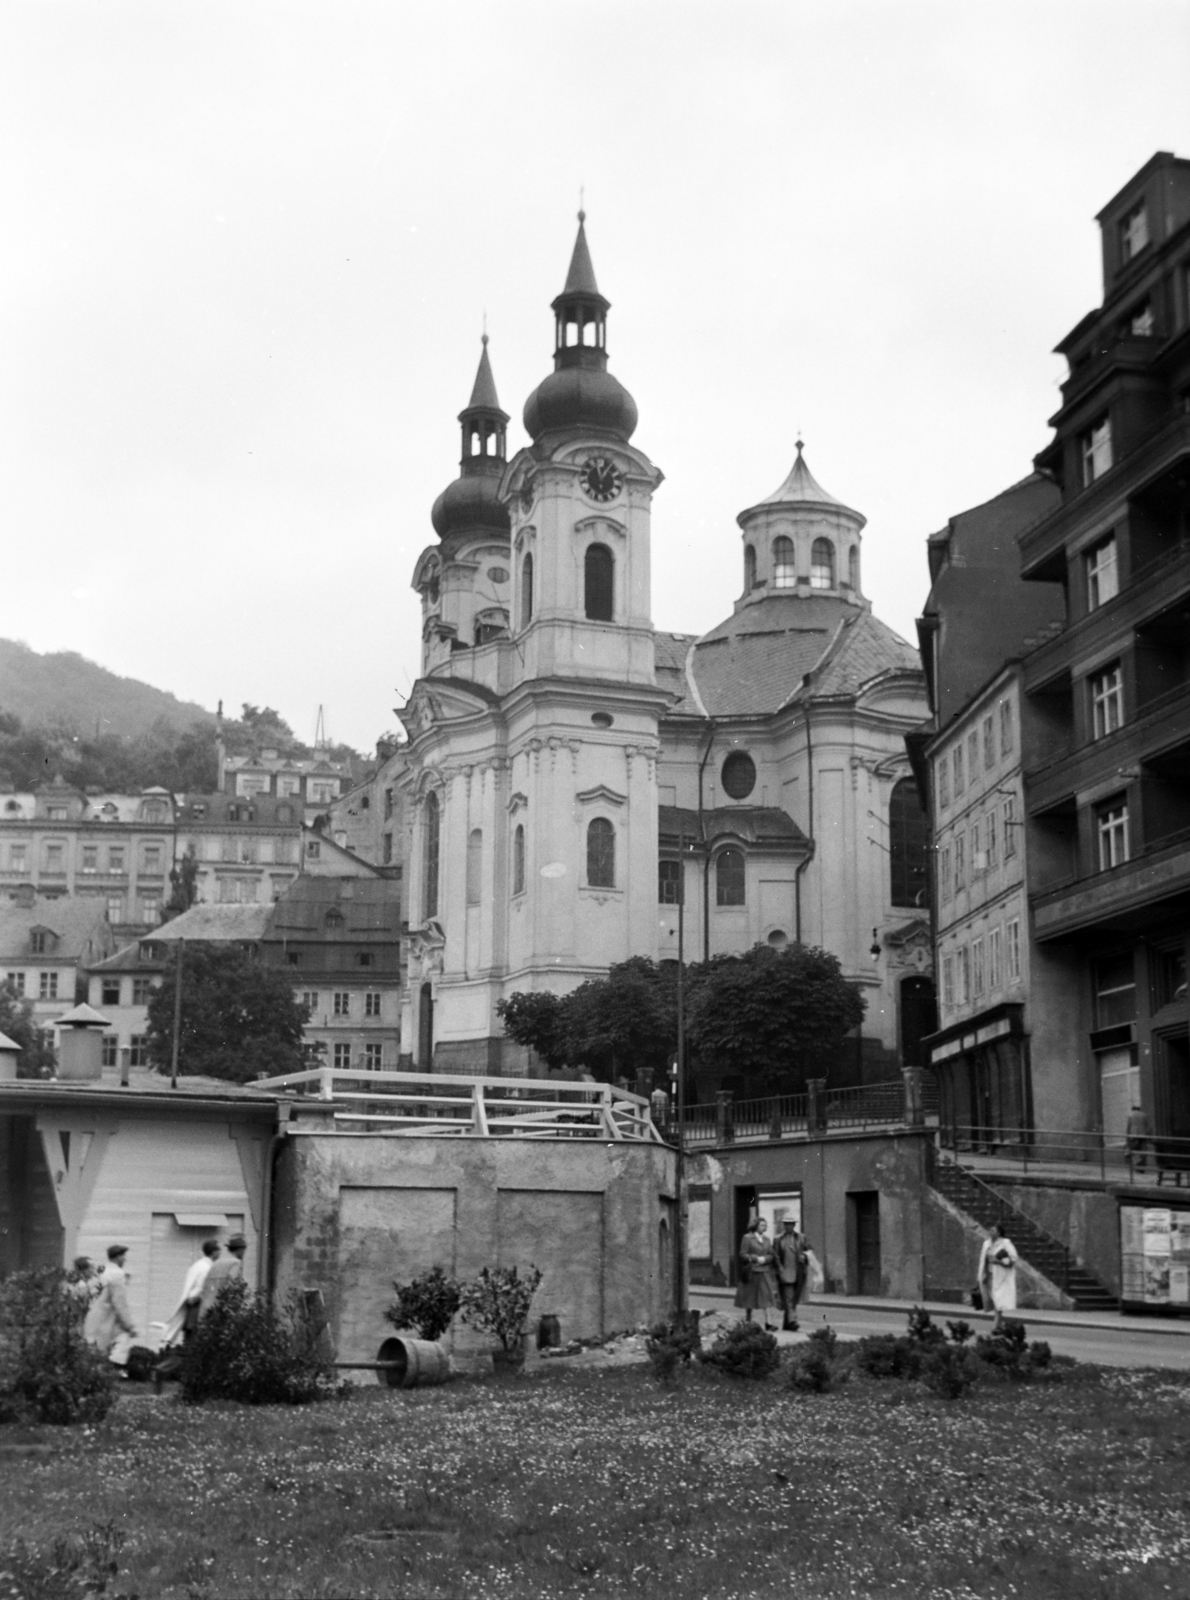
point(471, 503)
point(580, 397)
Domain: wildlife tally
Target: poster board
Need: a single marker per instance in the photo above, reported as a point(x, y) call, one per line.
point(1155, 1256)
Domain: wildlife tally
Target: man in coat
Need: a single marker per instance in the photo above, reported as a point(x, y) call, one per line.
point(109, 1325)
point(229, 1268)
point(790, 1251)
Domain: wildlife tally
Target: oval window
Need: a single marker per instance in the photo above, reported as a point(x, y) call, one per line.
point(739, 775)
point(498, 574)
point(602, 719)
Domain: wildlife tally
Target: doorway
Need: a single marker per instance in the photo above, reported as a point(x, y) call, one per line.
point(919, 1017)
point(863, 1242)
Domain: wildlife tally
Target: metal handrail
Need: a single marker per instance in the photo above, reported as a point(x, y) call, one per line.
point(1159, 1153)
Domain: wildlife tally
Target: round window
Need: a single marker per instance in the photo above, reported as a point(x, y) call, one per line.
point(778, 938)
point(601, 719)
point(739, 775)
point(498, 574)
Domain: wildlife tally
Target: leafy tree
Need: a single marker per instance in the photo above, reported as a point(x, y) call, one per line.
point(239, 1019)
point(773, 1017)
point(36, 1058)
point(535, 1020)
point(183, 885)
point(628, 1019)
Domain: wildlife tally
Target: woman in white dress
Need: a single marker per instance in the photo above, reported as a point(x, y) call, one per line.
point(997, 1273)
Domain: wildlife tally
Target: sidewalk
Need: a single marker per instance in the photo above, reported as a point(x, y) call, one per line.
point(1109, 1321)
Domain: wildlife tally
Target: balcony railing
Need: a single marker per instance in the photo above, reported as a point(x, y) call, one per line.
point(457, 1105)
point(873, 1105)
point(1148, 1158)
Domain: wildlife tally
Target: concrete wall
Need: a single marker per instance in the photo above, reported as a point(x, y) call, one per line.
point(354, 1213)
point(826, 1171)
point(1086, 1221)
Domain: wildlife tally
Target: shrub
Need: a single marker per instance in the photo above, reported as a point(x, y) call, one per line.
point(48, 1371)
point(427, 1305)
point(672, 1343)
point(745, 1350)
point(922, 1328)
point(498, 1303)
point(244, 1349)
point(949, 1369)
point(815, 1366)
point(959, 1332)
point(884, 1355)
point(1007, 1352)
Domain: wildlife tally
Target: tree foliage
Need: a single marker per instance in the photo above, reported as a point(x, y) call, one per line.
point(535, 1020)
point(183, 885)
point(36, 1058)
point(48, 1371)
point(239, 1019)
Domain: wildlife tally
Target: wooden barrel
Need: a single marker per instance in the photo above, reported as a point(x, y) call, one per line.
point(412, 1363)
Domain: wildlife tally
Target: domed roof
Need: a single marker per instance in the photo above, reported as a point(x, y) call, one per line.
point(580, 397)
point(471, 503)
point(802, 491)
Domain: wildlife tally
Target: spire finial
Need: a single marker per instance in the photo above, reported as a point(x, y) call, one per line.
point(582, 214)
point(800, 448)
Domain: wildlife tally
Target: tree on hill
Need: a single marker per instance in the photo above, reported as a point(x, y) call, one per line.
point(239, 1019)
point(36, 1058)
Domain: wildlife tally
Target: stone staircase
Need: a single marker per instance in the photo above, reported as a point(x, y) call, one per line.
point(1041, 1250)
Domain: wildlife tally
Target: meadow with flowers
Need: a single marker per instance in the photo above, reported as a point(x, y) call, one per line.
point(589, 1481)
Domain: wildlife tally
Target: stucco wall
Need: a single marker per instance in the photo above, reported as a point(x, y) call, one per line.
point(1087, 1221)
point(354, 1213)
point(953, 1241)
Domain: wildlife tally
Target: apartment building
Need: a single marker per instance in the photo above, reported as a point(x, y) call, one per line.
point(46, 944)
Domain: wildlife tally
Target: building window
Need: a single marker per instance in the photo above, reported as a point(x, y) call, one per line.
point(942, 778)
point(341, 1005)
point(1005, 727)
point(1141, 321)
point(110, 992)
point(784, 567)
point(853, 567)
point(47, 985)
point(1013, 936)
point(138, 1050)
point(990, 839)
point(284, 814)
point(1134, 233)
point(342, 1057)
point(1111, 830)
point(729, 878)
point(388, 804)
point(948, 981)
point(972, 755)
point(822, 564)
point(115, 858)
point(374, 1055)
point(16, 857)
point(111, 1049)
point(365, 958)
point(960, 863)
point(53, 858)
point(1103, 575)
point(150, 858)
point(995, 959)
point(601, 854)
point(1107, 700)
point(738, 775)
point(115, 908)
point(1115, 992)
point(749, 568)
point(386, 849)
point(293, 958)
point(518, 860)
point(944, 872)
point(1094, 449)
point(977, 974)
point(432, 823)
point(599, 571)
point(313, 850)
point(963, 976)
point(372, 1004)
point(957, 768)
point(150, 909)
point(474, 866)
point(39, 943)
point(90, 858)
point(908, 842)
point(978, 860)
point(1167, 974)
point(1010, 827)
point(526, 590)
point(142, 990)
point(989, 743)
point(310, 1000)
point(16, 982)
point(669, 883)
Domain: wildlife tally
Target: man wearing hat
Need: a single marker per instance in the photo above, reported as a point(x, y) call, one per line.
point(790, 1251)
point(229, 1268)
point(109, 1325)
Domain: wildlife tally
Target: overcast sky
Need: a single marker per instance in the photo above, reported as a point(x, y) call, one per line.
point(247, 249)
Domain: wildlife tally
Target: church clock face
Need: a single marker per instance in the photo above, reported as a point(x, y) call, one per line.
point(601, 479)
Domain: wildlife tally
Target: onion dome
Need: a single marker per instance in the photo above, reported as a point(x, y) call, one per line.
point(580, 393)
point(472, 502)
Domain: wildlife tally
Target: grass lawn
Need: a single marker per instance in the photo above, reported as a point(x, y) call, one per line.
point(589, 1482)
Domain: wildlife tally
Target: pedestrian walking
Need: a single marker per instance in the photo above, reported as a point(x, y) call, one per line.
point(1138, 1142)
point(997, 1273)
point(109, 1325)
point(758, 1275)
point(792, 1264)
point(185, 1316)
point(226, 1269)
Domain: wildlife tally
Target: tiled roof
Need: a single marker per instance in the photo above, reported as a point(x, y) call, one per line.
point(755, 661)
point(215, 924)
point(338, 909)
point(754, 824)
point(671, 650)
point(74, 918)
point(130, 958)
point(215, 807)
point(867, 648)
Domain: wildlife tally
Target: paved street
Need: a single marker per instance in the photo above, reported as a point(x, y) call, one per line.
point(1113, 1341)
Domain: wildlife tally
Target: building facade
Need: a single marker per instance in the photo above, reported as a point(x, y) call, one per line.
point(46, 945)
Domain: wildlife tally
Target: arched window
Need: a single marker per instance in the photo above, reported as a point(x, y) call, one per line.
point(729, 878)
point(526, 590)
point(907, 845)
point(598, 583)
point(853, 567)
point(749, 569)
point(432, 824)
point(601, 854)
point(784, 567)
point(518, 860)
point(474, 866)
point(822, 565)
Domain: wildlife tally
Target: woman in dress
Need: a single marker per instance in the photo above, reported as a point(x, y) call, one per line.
point(758, 1274)
point(997, 1273)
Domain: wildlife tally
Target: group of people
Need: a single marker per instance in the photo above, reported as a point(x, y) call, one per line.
point(109, 1325)
point(774, 1273)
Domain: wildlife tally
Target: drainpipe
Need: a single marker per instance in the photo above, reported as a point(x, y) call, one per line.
point(802, 865)
point(706, 859)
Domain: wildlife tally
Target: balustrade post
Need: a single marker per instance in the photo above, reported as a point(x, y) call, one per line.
point(915, 1116)
point(724, 1122)
point(775, 1119)
point(816, 1105)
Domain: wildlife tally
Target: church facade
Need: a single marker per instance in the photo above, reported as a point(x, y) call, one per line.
point(572, 774)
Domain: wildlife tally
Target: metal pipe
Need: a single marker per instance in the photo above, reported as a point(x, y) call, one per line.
point(177, 1038)
point(706, 855)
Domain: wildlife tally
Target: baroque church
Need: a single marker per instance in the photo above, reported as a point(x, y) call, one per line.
point(572, 773)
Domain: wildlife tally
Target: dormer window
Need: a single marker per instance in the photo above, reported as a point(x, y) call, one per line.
point(42, 941)
point(1134, 233)
point(334, 918)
